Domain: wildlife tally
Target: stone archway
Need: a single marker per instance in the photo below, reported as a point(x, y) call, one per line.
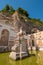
point(32, 40)
point(33, 44)
point(4, 37)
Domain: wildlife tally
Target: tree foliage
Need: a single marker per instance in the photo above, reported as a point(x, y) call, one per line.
point(11, 10)
point(23, 12)
point(8, 9)
point(37, 22)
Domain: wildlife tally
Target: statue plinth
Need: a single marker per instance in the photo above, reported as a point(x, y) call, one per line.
point(19, 50)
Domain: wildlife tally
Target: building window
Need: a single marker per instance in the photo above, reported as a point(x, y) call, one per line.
point(33, 43)
point(4, 38)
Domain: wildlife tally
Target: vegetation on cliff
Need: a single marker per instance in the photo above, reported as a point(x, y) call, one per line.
point(8, 9)
point(24, 20)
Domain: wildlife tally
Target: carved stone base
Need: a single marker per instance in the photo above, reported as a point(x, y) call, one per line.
point(15, 56)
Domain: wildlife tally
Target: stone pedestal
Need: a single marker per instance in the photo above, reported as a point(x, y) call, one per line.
point(15, 56)
point(19, 50)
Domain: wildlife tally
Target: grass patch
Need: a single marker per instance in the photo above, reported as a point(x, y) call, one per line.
point(32, 60)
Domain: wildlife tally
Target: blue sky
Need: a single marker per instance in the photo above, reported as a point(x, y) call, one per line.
point(33, 7)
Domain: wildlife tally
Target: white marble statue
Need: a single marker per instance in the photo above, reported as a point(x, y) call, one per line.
point(19, 50)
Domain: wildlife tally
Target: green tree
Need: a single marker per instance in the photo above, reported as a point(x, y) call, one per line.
point(8, 9)
point(23, 12)
point(11, 10)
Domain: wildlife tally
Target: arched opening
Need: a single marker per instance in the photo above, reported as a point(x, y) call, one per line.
point(33, 43)
point(4, 37)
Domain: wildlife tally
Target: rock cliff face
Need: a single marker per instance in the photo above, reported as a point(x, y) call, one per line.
point(17, 20)
point(24, 22)
point(20, 21)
